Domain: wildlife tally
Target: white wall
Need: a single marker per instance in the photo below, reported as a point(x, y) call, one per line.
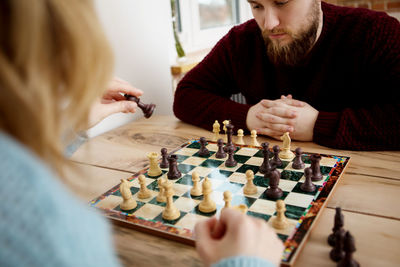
point(140, 32)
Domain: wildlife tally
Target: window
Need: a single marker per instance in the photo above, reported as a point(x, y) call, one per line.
point(201, 23)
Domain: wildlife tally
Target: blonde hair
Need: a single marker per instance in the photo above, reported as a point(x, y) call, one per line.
point(54, 61)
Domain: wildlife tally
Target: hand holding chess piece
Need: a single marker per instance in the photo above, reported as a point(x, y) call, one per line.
point(147, 109)
point(251, 237)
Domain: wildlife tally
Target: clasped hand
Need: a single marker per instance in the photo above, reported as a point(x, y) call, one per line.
point(275, 117)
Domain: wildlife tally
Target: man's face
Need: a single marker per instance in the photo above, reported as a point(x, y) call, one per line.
point(289, 27)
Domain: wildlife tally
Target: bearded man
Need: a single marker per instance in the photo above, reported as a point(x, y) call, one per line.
point(323, 73)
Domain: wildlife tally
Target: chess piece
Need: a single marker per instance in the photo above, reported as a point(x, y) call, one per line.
point(266, 166)
point(144, 192)
point(273, 191)
point(298, 162)
point(286, 153)
point(128, 203)
point(203, 151)
point(349, 248)
point(239, 140)
point(216, 129)
point(173, 172)
point(221, 152)
point(250, 188)
point(276, 161)
point(196, 189)
point(230, 162)
point(337, 252)
point(225, 122)
point(170, 212)
point(154, 169)
point(164, 161)
point(227, 199)
point(146, 108)
point(316, 170)
point(253, 136)
point(307, 186)
point(338, 224)
point(242, 208)
point(280, 222)
point(207, 205)
point(229, 133)
point(161, 194)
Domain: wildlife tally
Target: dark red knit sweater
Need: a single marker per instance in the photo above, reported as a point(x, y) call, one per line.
point(351, 76)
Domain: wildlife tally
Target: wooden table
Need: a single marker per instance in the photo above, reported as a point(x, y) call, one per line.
point(369, 194)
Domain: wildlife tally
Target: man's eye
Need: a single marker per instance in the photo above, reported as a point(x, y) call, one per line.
point(255, 6)
point(278, 3)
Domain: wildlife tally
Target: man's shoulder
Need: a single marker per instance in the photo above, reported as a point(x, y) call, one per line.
point(356, 16)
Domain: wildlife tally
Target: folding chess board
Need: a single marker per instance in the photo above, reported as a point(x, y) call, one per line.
point(302, 208)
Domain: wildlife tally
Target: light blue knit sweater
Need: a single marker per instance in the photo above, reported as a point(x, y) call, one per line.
point(43, 224)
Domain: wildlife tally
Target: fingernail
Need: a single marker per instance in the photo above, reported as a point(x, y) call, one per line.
point(289, 129)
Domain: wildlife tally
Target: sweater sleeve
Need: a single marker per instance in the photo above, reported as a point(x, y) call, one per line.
point(203, 95)
point(42, 224)
point(375, 126)
point(243, 261)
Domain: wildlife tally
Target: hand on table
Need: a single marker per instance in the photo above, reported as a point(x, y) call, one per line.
point(113, 102)
point(275, 117)
point(236, 234)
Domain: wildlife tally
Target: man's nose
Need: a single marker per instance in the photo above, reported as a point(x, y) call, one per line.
point(271, 19)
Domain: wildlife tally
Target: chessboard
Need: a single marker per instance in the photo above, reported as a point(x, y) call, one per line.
point(302, 208)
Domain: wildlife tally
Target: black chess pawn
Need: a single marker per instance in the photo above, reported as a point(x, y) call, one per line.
point(276, 161)
point(337, 252)
point(220, 153)
point(298, 162)
point(308, 186)
point(349, 248)
point(230, 162)
point(265, 167)
point(146, 108)
point(316, 170)
point(203, 151)
point(164, 161)
point(338, 224)
point(273, 191)
point(173, 172)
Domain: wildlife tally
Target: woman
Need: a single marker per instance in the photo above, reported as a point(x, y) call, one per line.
point(55, 64)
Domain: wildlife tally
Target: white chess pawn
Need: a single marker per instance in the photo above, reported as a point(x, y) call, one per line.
point(161, 195)
point(216, 129)
point(225, 122)
point(154, 169)
point(249, 188)
point(239, 140)
point(227, 199)
point(254, 141)
point(285, 152)
point(207, 205)
point(196, 189)
point(280, 222)
point(128, 203)
point(144, 192)
point(170, 212)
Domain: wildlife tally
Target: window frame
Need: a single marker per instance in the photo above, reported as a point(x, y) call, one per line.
point(192, 37)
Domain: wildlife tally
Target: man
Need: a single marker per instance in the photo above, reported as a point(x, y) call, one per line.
point(323, 73)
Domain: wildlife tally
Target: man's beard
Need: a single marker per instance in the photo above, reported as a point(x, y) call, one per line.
point(292, 53)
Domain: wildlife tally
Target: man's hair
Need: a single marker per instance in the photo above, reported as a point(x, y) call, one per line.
point(54, 61)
